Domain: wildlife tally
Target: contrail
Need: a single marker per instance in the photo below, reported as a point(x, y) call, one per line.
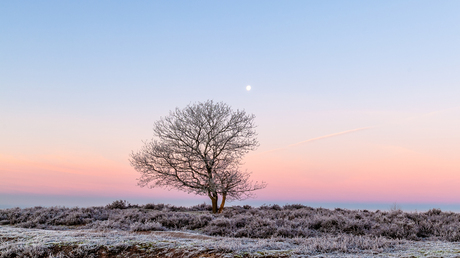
point(360, 129)
point(321, 137)
point(433, 113)
point(331, 135)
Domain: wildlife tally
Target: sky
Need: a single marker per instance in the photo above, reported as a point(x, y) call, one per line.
point(356, 102)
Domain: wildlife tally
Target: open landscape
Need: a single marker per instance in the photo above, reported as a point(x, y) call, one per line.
point(223, 129)
point(157, 230)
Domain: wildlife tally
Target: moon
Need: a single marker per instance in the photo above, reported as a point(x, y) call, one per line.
point(248, 88)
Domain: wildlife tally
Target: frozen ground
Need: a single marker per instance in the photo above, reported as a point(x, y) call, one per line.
point(157, 230)
point(21, 242)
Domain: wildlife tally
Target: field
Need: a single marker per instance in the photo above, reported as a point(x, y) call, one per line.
point(157, 230)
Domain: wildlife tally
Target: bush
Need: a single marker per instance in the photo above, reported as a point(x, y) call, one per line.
point(120, 204)
point(149, 226)
point(289, 221)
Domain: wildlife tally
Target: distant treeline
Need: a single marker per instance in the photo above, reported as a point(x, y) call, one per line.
point(289, 221)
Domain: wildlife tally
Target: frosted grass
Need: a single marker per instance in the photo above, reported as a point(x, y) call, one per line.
point(292, 230)
point(38, 242)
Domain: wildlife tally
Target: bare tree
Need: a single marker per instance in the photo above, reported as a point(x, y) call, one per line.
point(235, 184)
point(198, 150)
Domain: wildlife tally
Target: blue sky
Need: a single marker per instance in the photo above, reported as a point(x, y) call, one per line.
point(80, 80)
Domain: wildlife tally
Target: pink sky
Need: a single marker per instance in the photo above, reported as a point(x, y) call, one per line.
point(355, 101)
point(400, 160)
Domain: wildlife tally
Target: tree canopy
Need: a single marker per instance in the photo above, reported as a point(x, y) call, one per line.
point(199, 150)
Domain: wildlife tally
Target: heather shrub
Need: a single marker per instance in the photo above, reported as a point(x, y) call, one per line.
point(200, 221)
point(119, 204)
point(149, 206)
point(220, 227)
point(174, 208)
point(148, 226)
point(434, 212)
point(201, 207)
point(288, 221)
point(293, 206)
point(158, 207)
point(261, 228)
point(175, 220)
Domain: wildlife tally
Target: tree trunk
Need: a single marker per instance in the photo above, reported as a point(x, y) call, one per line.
point(223, 202)
point(214, 198)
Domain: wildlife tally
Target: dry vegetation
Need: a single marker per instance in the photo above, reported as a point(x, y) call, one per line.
point(272, 231)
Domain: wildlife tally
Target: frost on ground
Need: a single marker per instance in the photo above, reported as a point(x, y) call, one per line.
point(21, 242)
point(158, 230)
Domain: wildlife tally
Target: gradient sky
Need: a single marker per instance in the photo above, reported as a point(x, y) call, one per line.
point(356, 101)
